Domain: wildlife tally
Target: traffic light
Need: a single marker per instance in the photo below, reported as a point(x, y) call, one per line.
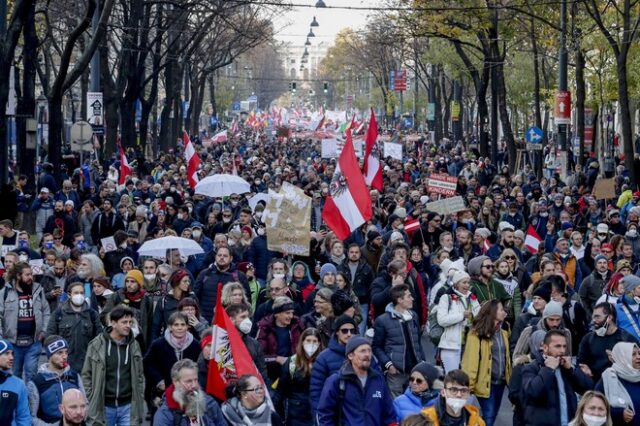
point(325, 87)
point(293, 86)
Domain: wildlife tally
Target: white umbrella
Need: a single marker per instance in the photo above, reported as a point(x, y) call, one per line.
point(222, 185)
point(159, 246)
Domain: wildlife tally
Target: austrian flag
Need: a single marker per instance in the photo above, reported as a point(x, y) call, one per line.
point(125, 169)
point(372, 168)
point(349, 204)
point(532, 240)
point(193, 160)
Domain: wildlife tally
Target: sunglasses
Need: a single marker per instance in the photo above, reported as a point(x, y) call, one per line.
point(417, 380)
point(348, 331)
point(510, 257)
point(488, 266)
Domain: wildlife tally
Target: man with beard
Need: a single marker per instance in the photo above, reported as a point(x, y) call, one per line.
point(54, 282)
point(354, 386)
point(153, 285)
point(73, 408)
point(14, 399)
point(185, 403)
point(372, 250)
point(90, 267)
point(540, 219)
point(482, 283)
point(464, 247)
point(53, 378)
point(24, 314)
point(506, 241)
point(106, 223)
point(62, 221)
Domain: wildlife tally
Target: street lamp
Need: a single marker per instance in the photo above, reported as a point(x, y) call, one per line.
point(306, 52)
point(320, 3)
point(311, 34)
point(42, 103)
point(314, 23)
point(307, 43)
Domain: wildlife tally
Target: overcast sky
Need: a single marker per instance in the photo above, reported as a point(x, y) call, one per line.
point(293, 26)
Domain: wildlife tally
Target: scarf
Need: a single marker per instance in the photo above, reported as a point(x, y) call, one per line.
point(615, 391)
point(237, 415)
point(135, 297)
point(338, 259)
point(178, 344)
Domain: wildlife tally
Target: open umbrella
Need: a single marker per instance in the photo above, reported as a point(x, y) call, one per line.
point(222, 185)
point(159, 247)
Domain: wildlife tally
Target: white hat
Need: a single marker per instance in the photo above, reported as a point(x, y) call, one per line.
point(602, 228)
point(44, 189)
point(459, 276)
point(503, 226)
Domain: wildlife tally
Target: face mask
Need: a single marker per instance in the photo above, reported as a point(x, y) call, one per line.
point(23, 244)
point(637, 299)
point(184, 259)
point(197, 234)
point(48, 245)
point(80, 245)
point(231, 243)
point(544, 214)
point(23, 258)
point(278, 275)
point(258, 182)
point(226, 220)
point(602, 330)
point(632, 233)
point(180, 216)
point(149, 277)
point(245, 326)
point(190, 210)
point(400, 227)
point(77, 299)
point(310, 348)
point(593, 420)
point(260, 231)
point(234, 203)
point(456, 404)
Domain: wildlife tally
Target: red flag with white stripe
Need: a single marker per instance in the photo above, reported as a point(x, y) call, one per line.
point(532, 240)
point(125, 168)
point(372, 168)
point(411, 225)
point(193, 160)
point(349, 205)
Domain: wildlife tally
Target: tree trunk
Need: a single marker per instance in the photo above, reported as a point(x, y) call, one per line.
point(580, 100)
point(625, 118)
point(27, 101)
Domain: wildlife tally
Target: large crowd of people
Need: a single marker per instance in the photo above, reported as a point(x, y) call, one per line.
point(461, 320)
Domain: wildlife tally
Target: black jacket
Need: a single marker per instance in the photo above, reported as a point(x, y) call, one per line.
point(206, 287)
point(361, 285)
point(161, 357)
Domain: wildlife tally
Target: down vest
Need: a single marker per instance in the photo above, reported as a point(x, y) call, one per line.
point(389, 342)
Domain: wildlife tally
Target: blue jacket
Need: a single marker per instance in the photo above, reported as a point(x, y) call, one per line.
point(624, 321)
point(408, 403)
point(328, 362)
point(165, 414)
point(47, 388)
point(368, 406)
point(260, 256)
point(196, 262)
point(14, 401)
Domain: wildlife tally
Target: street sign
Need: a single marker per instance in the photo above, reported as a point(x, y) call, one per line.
point(534, 135)
point(588, 129)
point(392, 81)
point(235, 107)
point(400, 81)
point(81, 136)
point(455, 111)
point(252, 98)
point(534, 146)
point(562, 112)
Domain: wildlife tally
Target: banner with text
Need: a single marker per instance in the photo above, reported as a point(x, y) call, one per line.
point(440, 183)
point(288, 219)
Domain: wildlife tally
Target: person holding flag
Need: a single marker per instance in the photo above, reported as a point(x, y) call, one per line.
point(193, 160)
point(372, 169)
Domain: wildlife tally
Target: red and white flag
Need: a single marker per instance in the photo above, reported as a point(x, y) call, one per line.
point(193, 160)
point(349, 205)
point(411, 225)
point(372, 168)
point(532, 240)
point(125, 168)
point(230, 359)
point(220, 137)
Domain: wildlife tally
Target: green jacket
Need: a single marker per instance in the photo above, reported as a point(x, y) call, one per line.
point(485, 292)
point(93, 378)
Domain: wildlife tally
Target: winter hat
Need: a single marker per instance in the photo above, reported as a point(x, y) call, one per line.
point(326, 268)
point(535, 341)
point(543, 292)
point(206, 340)
point(244, 267)
point(401, 212)
point(475, 265)
point(429, 372)
point(55, 346)
point(342, 320)
point(372, 235)
point(393, 218)
point(600, 257)
point(519, 234)
point(553, 308)
point(566, 225)
point(424, 199)
point(5, 346)
point(459, 276)
point(340, 302)
point(126, 258)
point(177, 276)
point(622, 263)
point(354, 343)
point(103, 281)
point(282, 304)
point(483, 232)
point(504, 225)
point(136, 275)
point(395, 236)
point(630, 282)
point(602, 228)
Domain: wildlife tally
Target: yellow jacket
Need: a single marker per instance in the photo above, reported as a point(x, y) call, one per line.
point(431, 413)
point(479, 369)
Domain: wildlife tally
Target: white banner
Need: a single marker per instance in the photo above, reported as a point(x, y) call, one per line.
point(393, 150)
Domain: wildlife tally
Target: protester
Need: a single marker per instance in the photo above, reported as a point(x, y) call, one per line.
point(621, 383)
point(425, 382)
point(73, 408)
point(451, 406)
point(593, 409)
point(14, 398)
point(249, 405)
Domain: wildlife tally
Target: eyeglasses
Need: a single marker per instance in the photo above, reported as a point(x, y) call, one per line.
point(57, 238)
point(348, 331)
point(418, 380)
point(257, 389)
point(510, 257)
point(606, 251)
point(487, 266)
point(276, 288)
point(459, 391)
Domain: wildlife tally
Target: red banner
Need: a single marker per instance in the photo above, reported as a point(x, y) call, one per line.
point(441, 183)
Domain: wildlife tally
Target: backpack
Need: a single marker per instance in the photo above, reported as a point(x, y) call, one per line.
point(436, 330)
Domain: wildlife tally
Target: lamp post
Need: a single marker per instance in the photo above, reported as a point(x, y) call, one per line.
point(41, 101)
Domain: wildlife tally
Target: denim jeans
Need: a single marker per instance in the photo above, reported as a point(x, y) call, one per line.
point(26, 357)
point(118, 416)
point(362, 327)
point(491, 405)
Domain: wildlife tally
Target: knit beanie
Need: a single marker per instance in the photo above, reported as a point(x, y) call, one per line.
point(542, 292)
point(459, 276)
point(136, 275)
point(372, 235)
point(340, 302)
point(354, 343)
point(5, 346)
point(622, 263)
point(475, 265)
point(429, 372)
point(553, 308)
point(600, 257)
point(327, 267)
point(630, 282)
point(342, 320)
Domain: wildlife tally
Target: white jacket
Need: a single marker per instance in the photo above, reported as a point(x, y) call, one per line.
point(451, 318)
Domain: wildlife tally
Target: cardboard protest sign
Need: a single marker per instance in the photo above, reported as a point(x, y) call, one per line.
point(441, 183)
point(288, 220)
point(108, 244)
point(604, 188)
point(447, 205)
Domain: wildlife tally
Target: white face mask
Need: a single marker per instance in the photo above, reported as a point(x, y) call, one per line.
point(637, 299)
point(260, 231)
point(23, 258)
point(245, 326)
point(197, 234)
point(180, 216)
point(149, 277)
point(77, 299)
point(602, 331)
point(632, 233)
point(456, 404)
point(310, 348)
point(278, 275)
point(594, 420)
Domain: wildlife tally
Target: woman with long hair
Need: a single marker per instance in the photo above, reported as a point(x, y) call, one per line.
point(233, 293)
point(293, 385)
point(249, 406)
point(502, 274)
point(517, 269)
point(487, 360)
point(621, 383)
point(180, 283)
point(593, 410)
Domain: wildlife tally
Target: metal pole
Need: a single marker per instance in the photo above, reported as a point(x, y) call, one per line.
point(415, 88)
point(494, 94)
point(562, 77)
point(4, 172)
